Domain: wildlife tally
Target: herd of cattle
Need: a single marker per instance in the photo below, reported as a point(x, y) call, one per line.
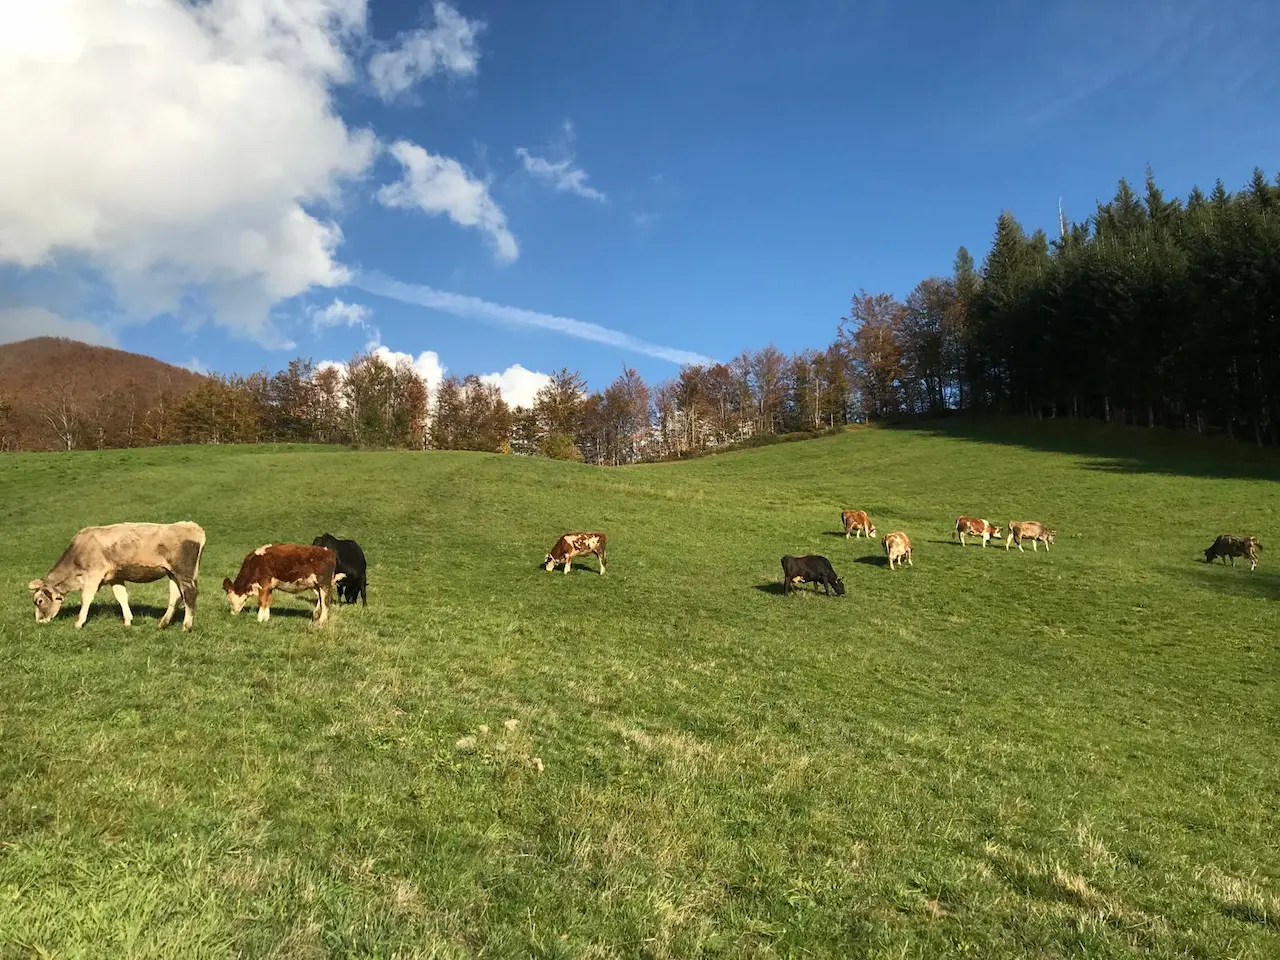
point(122, 553)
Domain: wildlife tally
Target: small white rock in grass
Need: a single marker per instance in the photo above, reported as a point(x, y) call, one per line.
point(484, 729)
point(466, 743)
point(511, 724)
point(537, 764)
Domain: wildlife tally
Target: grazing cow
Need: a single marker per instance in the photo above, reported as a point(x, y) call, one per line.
point(897, 545)
point(1228, 546)
point(1032, 530)
point(351, 565)
point(976, 527)
point(858, 523)
point(291, 567)
point(810, 569)
point(123, 553)
point(572, 545)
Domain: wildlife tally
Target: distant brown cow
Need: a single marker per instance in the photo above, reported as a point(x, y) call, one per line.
point(897, 546)
point(858, 523)
point(572, 545)
point(1032, 530)
point(976, 527)
point(121, 553)
point(291, 567)
point(1227, 545)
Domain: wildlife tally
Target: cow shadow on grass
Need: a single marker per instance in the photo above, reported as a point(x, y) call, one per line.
point(151, 613)
point(1238, 582)
point(873, 560)
point(559, 571)
point(774, 587)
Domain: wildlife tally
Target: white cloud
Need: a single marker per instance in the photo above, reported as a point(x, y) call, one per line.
point(473, 308)
point(23, 323)
point(339, 314)
point(451, 45)
point(562, 175)
point(195, 366)
point(192, 152)
point(517, 385)
point(427, 364)
point(441, 185)
point(174, 144)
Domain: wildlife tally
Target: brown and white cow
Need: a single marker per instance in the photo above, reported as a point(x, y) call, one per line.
point(976, 527)
point(291, 567)
point(1032, 530)
point(572, 545)
point(858, 523)
point(897, 545)
point(121, 553)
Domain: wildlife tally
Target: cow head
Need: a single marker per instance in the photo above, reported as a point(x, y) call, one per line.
point(237, 599)
point(1048, 538)
point(873, 531)
point(838, 587)
point(995, 531)
point(48, 601)
point(549, 561)
point(1209, 553)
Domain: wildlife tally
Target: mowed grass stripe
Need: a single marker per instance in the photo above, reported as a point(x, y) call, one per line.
point(989, 753)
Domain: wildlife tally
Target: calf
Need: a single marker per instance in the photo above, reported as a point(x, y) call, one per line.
point(976, 527)
point(897, 545)
point(291, 567)
point(1228, 546)
point(123, 553)
point(572, 545)
point(810, 569)
point(1032, 530)
point(351, 565)
point(858, 523)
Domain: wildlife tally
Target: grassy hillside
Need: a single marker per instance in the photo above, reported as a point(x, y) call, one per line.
point(988, 754)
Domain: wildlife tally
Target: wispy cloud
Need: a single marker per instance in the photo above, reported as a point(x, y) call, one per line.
point(450, 46)
point(562, 175)
point(473, 308)
point(342, 314)
point(437, 185)
point(196, 366)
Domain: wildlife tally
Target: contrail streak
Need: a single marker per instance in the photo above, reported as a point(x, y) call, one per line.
point(473, 308)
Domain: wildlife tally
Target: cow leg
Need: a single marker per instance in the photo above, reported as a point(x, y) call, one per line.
point(1035, 546)
point(264, 604)
point(174, 593)
point(600, 557)
point(909, 560)
point(87, 593)
point(568, 562)
point(189, 592)
point(122, 598)
point(321, 613)
point(364, 585)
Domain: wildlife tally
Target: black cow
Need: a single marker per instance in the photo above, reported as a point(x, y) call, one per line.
point(810, 569)
point(1229, 546)
point(351, 564)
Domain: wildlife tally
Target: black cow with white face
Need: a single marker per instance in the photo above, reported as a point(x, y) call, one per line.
point(351, 564)
point(810, 569)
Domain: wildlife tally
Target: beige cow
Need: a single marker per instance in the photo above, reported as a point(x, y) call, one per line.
point(1032, 530)
point(123, 553)
point(897, 545)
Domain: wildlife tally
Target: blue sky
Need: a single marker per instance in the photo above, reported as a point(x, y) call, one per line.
point(696, 178)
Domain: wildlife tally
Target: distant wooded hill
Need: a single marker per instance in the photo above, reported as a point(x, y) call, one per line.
point(62, 394)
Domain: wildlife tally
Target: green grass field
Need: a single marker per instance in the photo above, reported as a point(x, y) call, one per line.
point(989, 754)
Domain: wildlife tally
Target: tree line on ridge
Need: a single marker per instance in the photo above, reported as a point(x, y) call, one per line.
point(1153, 311)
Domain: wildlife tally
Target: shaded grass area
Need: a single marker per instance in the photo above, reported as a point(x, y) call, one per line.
point(987, 754)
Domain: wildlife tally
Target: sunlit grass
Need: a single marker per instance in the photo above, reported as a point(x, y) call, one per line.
point(989, 754)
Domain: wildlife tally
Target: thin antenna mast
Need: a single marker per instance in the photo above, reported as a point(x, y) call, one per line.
point(1062, 221)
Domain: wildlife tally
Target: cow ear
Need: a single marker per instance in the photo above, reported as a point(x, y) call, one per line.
point(227, 584)
point(35, 585)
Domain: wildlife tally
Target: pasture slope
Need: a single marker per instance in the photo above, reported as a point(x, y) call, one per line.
point(989, 754)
